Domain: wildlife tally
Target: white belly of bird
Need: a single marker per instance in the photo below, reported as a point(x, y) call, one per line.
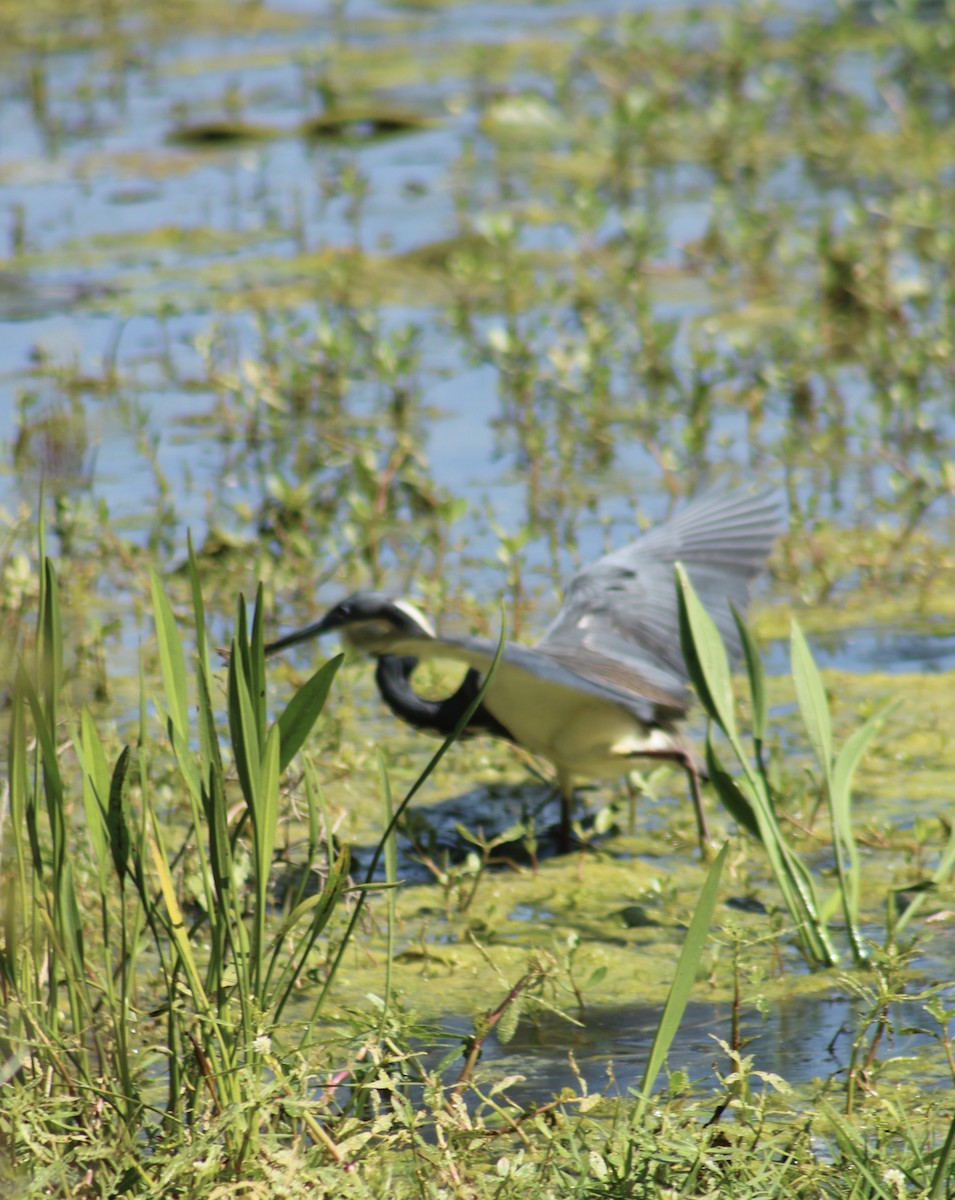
point(581, 734)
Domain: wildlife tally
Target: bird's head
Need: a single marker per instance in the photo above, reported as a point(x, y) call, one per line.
point(370, 622)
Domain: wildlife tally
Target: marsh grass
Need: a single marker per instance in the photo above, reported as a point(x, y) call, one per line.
point(220, 1065)
point(152, 1035)
point(750, 797)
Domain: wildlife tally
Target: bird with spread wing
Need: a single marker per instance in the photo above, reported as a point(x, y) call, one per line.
point(606, 687)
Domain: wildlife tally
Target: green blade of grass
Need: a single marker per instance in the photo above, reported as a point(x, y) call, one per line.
point(96, 781)
point(705, 657)
point(322, 907)
point(942, 1174)
point(756, 676)
point(217, 1071)
point(266, 823)
point(264, 828)
point(51, 644)
point(21, 818)
point(848, 759)
point(840, 802)
point(117, 815)
point(399, 810)
point(709, 672)
point(256, 667)
point(302, 711)
point(731, 794)
point(172, 661)
point(213, 800)
point(243, 726)
point(813, 704)
point(391, 879)
point(855, 1152)
point(683, 979)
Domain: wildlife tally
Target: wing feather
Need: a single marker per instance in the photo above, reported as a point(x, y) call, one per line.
point(620, 622)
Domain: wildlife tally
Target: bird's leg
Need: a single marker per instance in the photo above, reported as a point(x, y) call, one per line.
point(636, 785)
point(688, 762)
point(565, 785)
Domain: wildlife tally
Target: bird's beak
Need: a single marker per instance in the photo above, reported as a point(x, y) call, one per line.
point(325, 625)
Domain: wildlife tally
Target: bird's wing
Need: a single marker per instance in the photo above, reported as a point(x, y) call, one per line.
point(553, 668)
point(620, 619)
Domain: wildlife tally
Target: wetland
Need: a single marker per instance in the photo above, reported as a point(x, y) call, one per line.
point(446, 300)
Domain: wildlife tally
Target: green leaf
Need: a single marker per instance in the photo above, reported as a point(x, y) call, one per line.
point(117, 816)
point(941, 1177)
point(52, 642)
point(243, 726)
point(683, 980)
point(96, 779)
point(812, 699)
point(212, 791)
point(705, 656)
point(756, 675)
point(848, 760)
point(266, 816)
point(171, 658)
point(731, 794)
point(22, 813)
point(856, 1154)
point(52, 780)
point(185, 760)
point(302, 711)
point(71, 926)
point(177, 925)
point(322, 908)
point(256, 666)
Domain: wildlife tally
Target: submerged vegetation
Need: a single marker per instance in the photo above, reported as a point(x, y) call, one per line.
point(479, 310)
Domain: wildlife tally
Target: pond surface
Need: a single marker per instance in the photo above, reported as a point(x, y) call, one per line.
point(185, 259)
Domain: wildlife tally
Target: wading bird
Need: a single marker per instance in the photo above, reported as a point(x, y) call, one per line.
point(606, 686)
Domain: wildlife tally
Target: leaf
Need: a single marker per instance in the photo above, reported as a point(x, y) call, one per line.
point(850, 756)
point(302, 711)
point(117, 815)
point(171, 658)
point(256, 666)
point(242, 725)
point(731, 794)
point(321, 906)
point(52, 665)
point(812, 699)
point(509, 1020)
point(266, 818)
point(756, 675)
point(942, 1174)
point(177, 924)
point(96, 779)
point(683, 980)
point(705, 656)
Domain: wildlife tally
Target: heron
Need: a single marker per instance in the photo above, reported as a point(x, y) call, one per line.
point(605, 689)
